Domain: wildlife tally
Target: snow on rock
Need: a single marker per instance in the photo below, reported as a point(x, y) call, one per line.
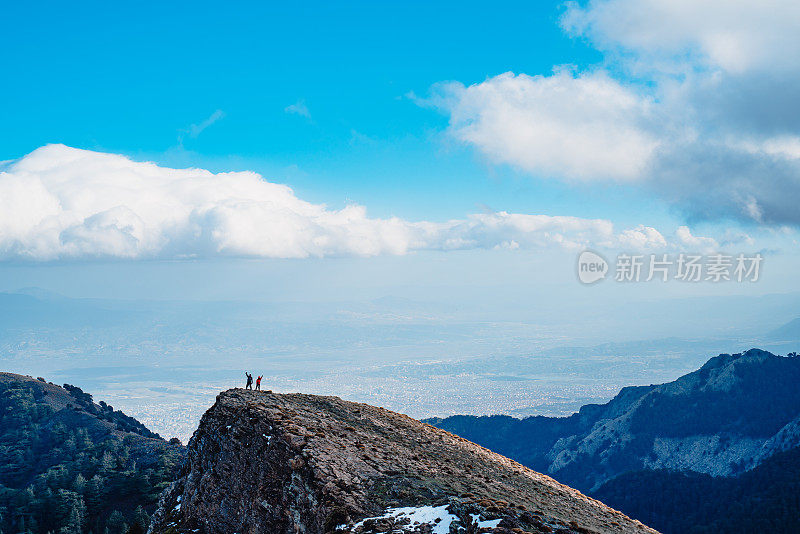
point(436, 516)
point(490, 523)
point(439, 517)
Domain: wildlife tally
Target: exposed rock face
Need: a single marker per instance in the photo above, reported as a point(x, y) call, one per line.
point(268, 463)
point(723, 419)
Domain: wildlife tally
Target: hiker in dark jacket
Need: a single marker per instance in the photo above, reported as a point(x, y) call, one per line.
point(249, 381)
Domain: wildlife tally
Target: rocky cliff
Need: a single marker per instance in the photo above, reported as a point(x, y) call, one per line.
point(723, 419)
point(268, 463)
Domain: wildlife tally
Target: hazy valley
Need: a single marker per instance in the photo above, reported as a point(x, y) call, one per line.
point(164, 361)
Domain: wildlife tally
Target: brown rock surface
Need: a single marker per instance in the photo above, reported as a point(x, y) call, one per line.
point(269, 463)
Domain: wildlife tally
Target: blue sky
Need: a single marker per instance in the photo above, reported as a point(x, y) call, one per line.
point(456, 157)
point(125, 77)
point(132, 79)
point(620, 124)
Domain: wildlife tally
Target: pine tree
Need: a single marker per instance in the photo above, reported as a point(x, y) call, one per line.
point(76, 517)
point(94, 493)
point(141, 519)
point(79, 485)
point(116, 523)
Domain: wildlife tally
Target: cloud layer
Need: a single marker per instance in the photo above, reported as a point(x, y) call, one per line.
point(704, 109)
point(581, 127)
point(735, 35)
point(64, 203)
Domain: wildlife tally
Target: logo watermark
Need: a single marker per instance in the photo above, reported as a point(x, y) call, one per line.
point(592, 267)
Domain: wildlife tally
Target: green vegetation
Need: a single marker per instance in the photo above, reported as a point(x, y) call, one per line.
point(76, 467)
point(762, 397)
point(750, 395)
point(765, 499)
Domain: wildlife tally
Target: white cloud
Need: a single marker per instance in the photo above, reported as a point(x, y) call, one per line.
point(64, 203)
point(703, 110)
point(515, 230)
point(733, 237)
point(298, 108)
point(577, 127)
point(196, 129)
point(695, 243)
point(785, 146)
point(734, 35)
point(642, 238)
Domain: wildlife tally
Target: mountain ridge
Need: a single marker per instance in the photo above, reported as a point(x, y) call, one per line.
point(264, 462)
point(789, 331)
point(740, 407)
point(70, 465)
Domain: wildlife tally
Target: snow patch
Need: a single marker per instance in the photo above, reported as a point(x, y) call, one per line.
point(436, 516)
point(489, 523)
point(421, 514)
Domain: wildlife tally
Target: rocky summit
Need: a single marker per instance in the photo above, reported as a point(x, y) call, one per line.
point(290, 463)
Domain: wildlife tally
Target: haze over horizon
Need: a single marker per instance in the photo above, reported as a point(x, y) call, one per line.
point(188, 193)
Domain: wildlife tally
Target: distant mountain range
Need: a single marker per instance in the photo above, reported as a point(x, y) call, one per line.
point(39, 309)
point(723, 420)
point(788, 332)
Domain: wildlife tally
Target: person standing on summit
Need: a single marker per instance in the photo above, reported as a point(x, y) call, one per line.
point(258, 382)
point(249, 381)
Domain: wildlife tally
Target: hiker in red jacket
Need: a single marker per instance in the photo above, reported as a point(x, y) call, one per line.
point(258, 383)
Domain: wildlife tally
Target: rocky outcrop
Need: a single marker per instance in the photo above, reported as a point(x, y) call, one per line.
point(267, 463)
point(723, 419)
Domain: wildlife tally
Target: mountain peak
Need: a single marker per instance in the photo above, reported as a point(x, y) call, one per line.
point(752, 355)
point(264, 462)
point(101, 418)
point(721, 419)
